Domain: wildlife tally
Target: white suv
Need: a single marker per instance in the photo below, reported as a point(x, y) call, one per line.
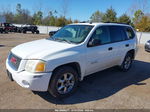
point(58, 63)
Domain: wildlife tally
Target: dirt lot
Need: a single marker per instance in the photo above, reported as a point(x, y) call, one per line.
point(109, 89)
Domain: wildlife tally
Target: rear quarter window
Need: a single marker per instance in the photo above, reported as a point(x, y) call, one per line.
point(130, 33)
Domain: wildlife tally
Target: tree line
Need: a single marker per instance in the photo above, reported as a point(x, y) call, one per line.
point(23, 16)
point(139, 20)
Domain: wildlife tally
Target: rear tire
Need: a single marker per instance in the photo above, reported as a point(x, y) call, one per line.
point(63, 82)
point(32, 32)
point(127, 63)
point(37, 32)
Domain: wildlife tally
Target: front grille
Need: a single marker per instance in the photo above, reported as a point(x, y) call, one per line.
point(14, 61)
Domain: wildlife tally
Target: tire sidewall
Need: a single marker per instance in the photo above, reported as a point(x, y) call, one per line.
point(37, 32)
point(32, 32)
point(56, 75)
point(123, 64)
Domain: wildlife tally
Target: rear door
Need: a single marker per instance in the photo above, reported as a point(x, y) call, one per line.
point(120, 43)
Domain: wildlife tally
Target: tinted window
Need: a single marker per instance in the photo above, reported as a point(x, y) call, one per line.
point(130, 33)
point(101, 34)
point(117, 33)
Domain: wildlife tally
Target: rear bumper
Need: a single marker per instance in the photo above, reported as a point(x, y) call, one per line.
point(32, 81)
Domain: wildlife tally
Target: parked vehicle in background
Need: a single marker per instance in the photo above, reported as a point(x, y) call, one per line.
point(51, 33)
point(28, 28)
point(2, 20)
point(147, 46)
point(58, 63)
point(8, 27)
point(1, 29)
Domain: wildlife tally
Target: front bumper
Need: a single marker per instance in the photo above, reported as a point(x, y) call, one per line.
point(32, 81)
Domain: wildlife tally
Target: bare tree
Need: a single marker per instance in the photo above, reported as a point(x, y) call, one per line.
point(6, 8)
point(143, 5)
point(38, 6)
point(64, 8)
point(132, 9)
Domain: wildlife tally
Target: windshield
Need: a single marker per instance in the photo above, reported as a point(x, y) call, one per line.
point(72, 33)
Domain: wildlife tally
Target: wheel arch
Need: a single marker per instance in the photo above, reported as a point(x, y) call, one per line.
point(75, 65)
point(132, 51)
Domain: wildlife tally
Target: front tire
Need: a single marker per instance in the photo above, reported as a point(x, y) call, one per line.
point(127, 63)
point(63, 82)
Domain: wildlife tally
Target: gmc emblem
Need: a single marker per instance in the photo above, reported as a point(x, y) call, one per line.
point(13, 60)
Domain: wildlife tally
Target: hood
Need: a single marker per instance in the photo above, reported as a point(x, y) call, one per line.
point(40, 48)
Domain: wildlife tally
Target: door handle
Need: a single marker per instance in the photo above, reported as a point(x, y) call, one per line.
point(110, 48)
point(94, 62)
point(127, 45)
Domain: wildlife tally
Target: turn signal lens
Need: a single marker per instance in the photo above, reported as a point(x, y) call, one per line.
point(40, 67)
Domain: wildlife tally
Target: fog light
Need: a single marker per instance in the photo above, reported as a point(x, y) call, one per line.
point(25, 83)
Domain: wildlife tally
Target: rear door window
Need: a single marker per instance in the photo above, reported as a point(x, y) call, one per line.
point(130, 33)
point(117, 33)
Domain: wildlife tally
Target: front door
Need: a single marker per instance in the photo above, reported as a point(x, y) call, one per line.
point(99, 53)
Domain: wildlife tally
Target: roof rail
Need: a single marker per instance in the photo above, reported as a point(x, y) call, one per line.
point(90, 22)
point(117, 23)
point(83, 22)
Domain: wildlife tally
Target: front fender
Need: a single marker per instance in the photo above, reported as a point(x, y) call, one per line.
point(66, 58)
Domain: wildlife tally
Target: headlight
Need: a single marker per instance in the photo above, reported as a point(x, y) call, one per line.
point(35, 66)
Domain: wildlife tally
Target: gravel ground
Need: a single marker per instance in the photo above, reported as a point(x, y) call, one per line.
point(109, 89)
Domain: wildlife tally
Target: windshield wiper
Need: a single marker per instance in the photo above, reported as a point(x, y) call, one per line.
point(52, 38)
point(59, 39)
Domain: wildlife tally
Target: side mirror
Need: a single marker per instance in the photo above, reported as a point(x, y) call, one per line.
point(94, 42)
point(51, 33)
